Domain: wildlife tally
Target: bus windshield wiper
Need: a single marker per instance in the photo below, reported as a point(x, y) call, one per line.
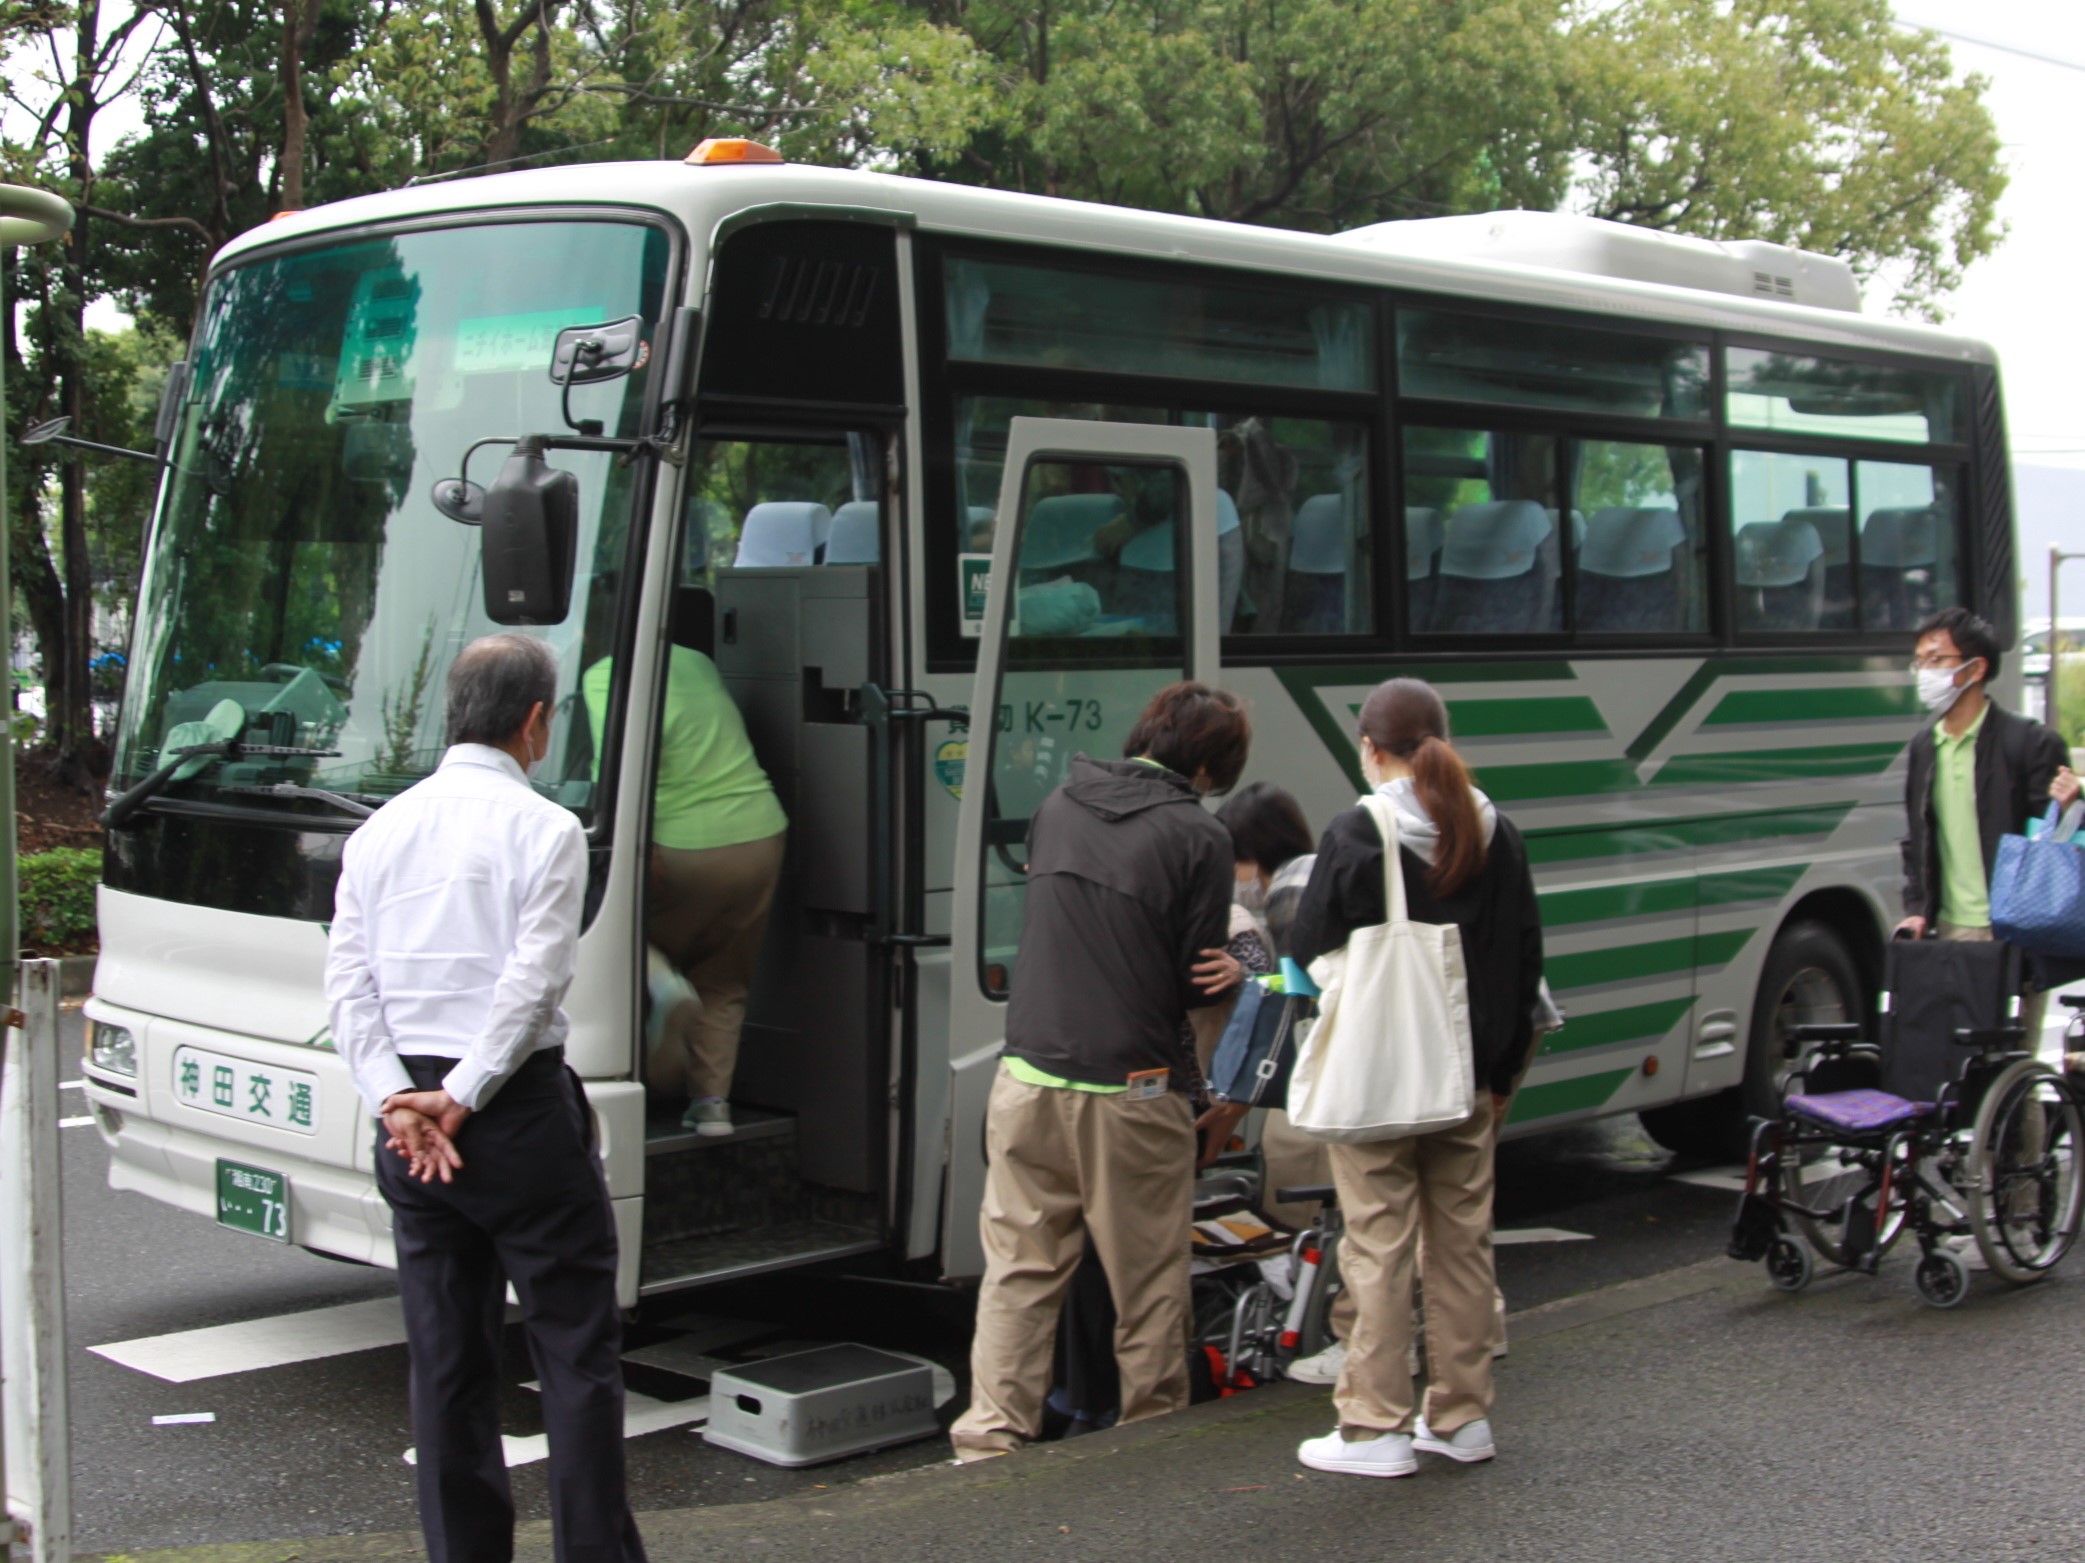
point(133, 798)
point(346, 802)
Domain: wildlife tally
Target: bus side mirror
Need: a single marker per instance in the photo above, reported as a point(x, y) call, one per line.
point(529, 520)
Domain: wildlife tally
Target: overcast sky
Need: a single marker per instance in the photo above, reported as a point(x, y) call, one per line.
point(2024, 298)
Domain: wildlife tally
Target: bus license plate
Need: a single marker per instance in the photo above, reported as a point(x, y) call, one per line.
point(251, 1199)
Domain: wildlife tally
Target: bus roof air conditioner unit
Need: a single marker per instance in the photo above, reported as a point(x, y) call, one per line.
point(1560, 241)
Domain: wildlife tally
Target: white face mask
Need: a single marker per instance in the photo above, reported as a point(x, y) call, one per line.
point(1251, 894)
point(1936, 688)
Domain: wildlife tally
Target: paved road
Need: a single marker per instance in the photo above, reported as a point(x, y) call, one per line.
point(307, 1444)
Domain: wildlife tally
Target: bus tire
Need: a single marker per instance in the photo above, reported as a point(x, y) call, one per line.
point(1809, 977)
point(1699, 1130)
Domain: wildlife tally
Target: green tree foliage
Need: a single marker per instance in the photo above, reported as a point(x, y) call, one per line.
point(1812, 122)
point(1815, 123)
point(1321, 115)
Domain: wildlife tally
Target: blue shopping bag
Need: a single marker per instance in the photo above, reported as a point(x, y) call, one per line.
point(1257, 1051)
point(2038, 889)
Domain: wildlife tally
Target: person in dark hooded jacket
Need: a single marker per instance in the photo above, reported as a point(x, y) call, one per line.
point(1089, 1131)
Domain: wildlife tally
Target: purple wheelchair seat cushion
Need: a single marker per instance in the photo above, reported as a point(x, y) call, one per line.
point(1857, 1111)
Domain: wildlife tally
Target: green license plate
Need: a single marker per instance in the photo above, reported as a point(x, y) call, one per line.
point(250, 1199)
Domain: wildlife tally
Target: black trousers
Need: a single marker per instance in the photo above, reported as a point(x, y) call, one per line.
point(529, 1206)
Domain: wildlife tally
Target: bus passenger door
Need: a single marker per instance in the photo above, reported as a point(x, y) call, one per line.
point(1102, 590)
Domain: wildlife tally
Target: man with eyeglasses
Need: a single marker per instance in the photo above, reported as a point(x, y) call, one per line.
point(1977, 772)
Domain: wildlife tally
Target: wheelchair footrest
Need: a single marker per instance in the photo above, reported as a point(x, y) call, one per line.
point(1752, 1234)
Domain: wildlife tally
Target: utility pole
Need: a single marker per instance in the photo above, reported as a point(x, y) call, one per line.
point(26, 217)
point(2051, 711)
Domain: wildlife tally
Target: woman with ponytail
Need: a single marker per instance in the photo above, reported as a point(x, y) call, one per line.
point(1463, 863)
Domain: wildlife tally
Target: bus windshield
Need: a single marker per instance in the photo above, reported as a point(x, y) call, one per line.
point(300, 577)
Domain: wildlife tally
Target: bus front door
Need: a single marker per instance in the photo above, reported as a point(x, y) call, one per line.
point(1103, 589)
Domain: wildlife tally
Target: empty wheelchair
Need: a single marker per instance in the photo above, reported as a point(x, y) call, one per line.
point(1265, 1302)
point(1947, 1128)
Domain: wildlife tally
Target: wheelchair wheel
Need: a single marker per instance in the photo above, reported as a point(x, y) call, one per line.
point(1316, 1333)
point(2025, 1200)
point(1835, 1179)
point(1788, 1265)
point(1942, 1279)
point(1254, 1327)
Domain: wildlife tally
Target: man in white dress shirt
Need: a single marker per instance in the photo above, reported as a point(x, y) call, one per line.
point(455, 926)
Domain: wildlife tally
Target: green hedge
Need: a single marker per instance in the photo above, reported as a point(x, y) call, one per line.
point(57, 900)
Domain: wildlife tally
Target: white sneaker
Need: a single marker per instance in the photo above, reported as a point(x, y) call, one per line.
point(1469, 1443)
point(710, 1117)
point(1389, 1455)
point(1323, 1368)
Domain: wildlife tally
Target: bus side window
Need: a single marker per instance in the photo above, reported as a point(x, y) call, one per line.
point(1500, 561)
point(1907, 543)
point(1638, 550)
point(1789, 516)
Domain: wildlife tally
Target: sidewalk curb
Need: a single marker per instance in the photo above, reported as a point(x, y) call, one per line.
point(670, 1532)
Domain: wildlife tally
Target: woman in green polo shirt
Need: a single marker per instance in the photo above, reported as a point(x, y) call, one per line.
point(717, 837)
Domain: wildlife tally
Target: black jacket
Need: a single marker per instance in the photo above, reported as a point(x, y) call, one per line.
point(1496, 911)
point(1129, 878)
point(2016, 759)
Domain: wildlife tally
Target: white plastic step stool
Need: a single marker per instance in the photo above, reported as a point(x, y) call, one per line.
point(822, 1404)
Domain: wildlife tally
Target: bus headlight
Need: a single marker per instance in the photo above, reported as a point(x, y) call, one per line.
point(112, 1048)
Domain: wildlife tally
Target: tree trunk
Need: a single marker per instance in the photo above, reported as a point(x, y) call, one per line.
point(512, 107)
point(300, 19)
point(66, 700)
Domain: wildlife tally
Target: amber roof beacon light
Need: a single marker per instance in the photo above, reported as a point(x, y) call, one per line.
point(732, 149)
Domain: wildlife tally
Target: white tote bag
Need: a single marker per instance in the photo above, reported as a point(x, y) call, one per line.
point(1390, 1054)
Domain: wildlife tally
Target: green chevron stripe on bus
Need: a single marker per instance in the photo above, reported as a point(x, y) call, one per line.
point(1518, 717)
point(1705, 677)
point(1629, 1026)
point(1778, 707)
point(1554, 779)
point(1650, 897)
point(1579, 1095)
point(1765, 765)
point(1574, 843)
point(1583, 778)
point(1631, 962)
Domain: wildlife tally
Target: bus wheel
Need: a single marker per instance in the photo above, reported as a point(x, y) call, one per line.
point(1704, 1129)
point(1809, 979)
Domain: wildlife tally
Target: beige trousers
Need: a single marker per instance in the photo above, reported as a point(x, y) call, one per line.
point(1064, 1164)
point(1392, 1191)
point(2033, 1004)
point(707, 914)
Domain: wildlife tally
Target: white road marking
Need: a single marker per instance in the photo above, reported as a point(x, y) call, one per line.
point(1539, 1235)
point(1728, 1180)
point(188, 1355)
point(75, 1123)
point(181, 1417)
point(641, 1415)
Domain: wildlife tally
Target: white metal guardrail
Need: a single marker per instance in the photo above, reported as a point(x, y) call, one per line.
point(33, 1406)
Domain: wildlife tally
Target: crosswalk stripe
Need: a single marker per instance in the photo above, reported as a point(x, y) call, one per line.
point(1538, 1235)
point(1727, 1180)
point(641, 1415)
point(188, 1355)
